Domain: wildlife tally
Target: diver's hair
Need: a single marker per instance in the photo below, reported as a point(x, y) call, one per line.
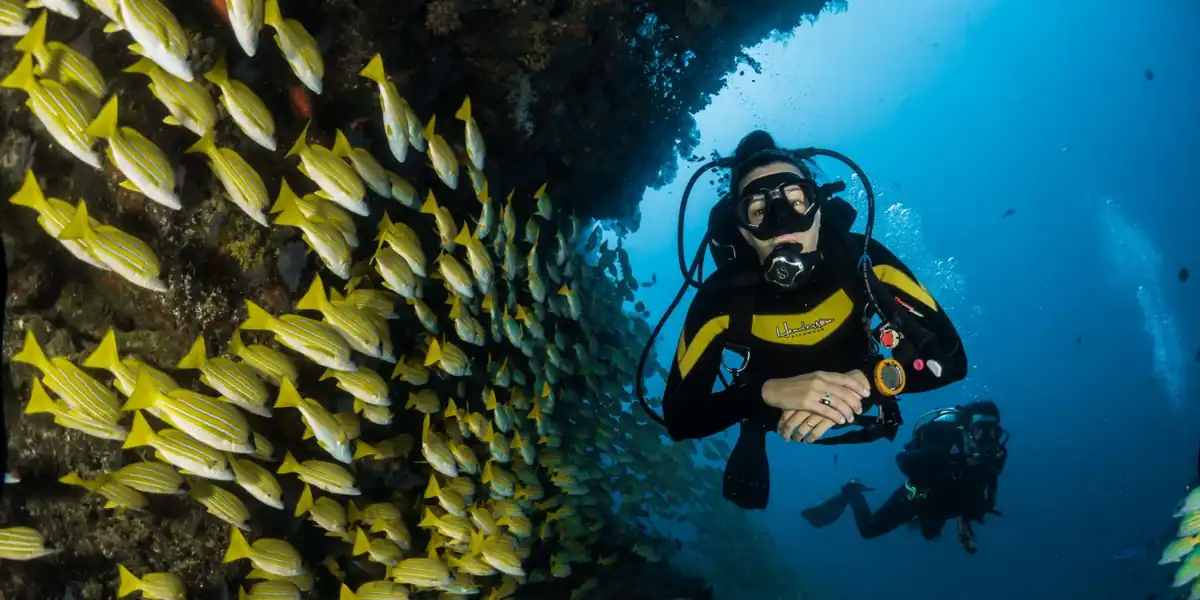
point(750, 155)
point(983, 407)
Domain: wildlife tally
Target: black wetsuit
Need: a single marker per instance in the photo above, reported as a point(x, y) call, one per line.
point(817, 327)
point(941, 486)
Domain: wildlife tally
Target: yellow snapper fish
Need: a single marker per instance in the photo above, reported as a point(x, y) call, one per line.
point(364, 384)
point(271, 364)
point(61, 62)
point(394, 118)
point(221, 504)
point(80, 391)
point(450, 500)
point(125, 371)
point(573, 306)
point(323, 512)
point(478, 179)
point(322, 475)
point(246, 17)
point(22, 543)
point(273, 556)
point(188, 103)
point(533, 232)
point(258, 481)
point(411, 371)
point(180, 449)
point(512, 260)
point(116, 495)
point(299, 47)
point(405, 242)
point(425, 315)
point(428, 572)
point(303, 582)
point(12, 18)
point(545, 208)
point(235, 381)
point(468, 329)
point(487, 214)
point(65, 416)
point(503, 483)
point(241, 182)
point(144, 165)
point(474, 139)
point(377, 301)
point(150, 477)
point(364, 164)
point(271, 590)
point(335, 178)
point(249, 111)
point(455, 275)
point(153, 586)
point(449, 358)
point(379, 415)
point(375, 590)
point(447, 230)
point(499, 552)
point(453, 527)
point(53, 215)
point(318, 341)
point(323, 425)
point(478, 258)
point(380, 550)
point(158, 35)
point(402, 191)
point(397, 274)
point(218, 425)
point(436, 452)
point(440, 154)
point(60, 110)
point(322, 236)
point(364, 331)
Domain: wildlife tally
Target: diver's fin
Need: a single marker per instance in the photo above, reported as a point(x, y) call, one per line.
point(827, 512)
point(747, 473)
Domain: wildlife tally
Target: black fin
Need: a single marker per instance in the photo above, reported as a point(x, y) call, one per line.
point(747, 472)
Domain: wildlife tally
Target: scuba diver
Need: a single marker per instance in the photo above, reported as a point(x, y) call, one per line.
point(793, 298)
point(953, 464)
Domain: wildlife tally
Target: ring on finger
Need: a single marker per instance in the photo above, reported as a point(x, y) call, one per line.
point(827, 399)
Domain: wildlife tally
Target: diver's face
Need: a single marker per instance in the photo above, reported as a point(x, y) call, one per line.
point(800, 201)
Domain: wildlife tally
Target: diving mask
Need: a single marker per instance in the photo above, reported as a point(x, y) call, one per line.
point(777, 204)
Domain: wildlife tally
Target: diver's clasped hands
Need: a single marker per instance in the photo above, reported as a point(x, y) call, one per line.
point(815, 402)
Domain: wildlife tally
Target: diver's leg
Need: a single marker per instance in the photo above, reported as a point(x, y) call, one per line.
point(896, 511)
point(827, 512)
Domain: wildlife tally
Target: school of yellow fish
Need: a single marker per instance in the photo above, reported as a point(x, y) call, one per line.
point(526, 455)
point(1185, 548)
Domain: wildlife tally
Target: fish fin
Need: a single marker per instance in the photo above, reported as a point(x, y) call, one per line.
point(434, 354)
point(341, 145)
point(144, 395)
point(21, 78)
point(428, 132)
point(235, 345)
point(238, 549)
point(30, 195)
point(196, 357)
point(328, 372)
point(306, 501)
point(32, 354)
point(361, 544)
point(428, 519)
point(346, 594)
point(140, 433)
point(143, 66)
point(374, 70)
point(172, 121)
point(464, 235)
point(464, 111)
point(137, 49)
point(432, 490)
point(129, 185)
point(289, 465)
point(301, 142)
point(430, 206)
point(39, 400)
point(364, 450)
point(105, 123)
point(288, 396)
point(113, 27)
point(286, 198)
point(258, 318)
point(218, 74)
point(314, 298)
point(35, 39)
point(308, 434)
point(242, 595)
point(205, 144)
point(271, 14)
point(129, 582)
point(541, 192)
point(565, 291)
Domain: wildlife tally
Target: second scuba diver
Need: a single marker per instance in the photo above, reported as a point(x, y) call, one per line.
point(794, 294)
point(953, 465)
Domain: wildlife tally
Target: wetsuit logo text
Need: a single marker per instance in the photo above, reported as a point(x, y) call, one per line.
point(784, 331)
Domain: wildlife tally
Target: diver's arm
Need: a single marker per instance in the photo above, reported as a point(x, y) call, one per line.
point(690, 406)
point(922, 307)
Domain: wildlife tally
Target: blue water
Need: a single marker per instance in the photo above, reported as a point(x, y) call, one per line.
point(960, 110)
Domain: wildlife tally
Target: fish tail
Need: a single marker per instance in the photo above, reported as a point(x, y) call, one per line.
point(288, 396)
point(341, 145)
point(364, 450)
point(306, 501)
point(105, 356)
point(430, 206)
point(361, 544)
point(353, 515)
point(30, 195)
point(315, 298)
point(428, 519)
point(326, 375)
point(286, 198)
point(35, 40)
point(434, 354)
point(346, 594)
point(196, 358)
point(21, 78)
point(374, 70)
point(238, 549)
point(564, 290)
point(105, 123)
point(242, 595)
point(289, 465)
point(80, 226)
point(258, 318)
point(140, 434)
point(129, 582)
point(145, 393)
point(464, 235)
point(143, 66)
point(464, 111)
point(218, 74)
point(206, 144)
point(428, 132)
point(31, 354)
point(271, 14)
point(39, 400)
point(235, 345)
point(301, 141)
